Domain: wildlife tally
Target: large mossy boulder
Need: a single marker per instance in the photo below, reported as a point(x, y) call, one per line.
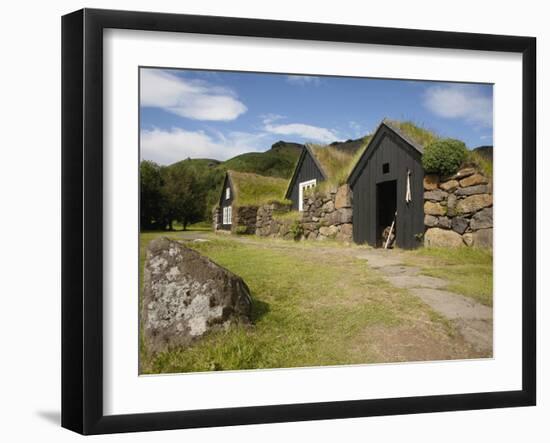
point(186, 295)
point(442, 238)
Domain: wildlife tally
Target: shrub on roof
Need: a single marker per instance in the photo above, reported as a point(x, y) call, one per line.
point(444, 156)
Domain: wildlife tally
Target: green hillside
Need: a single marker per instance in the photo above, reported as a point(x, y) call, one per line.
point(279, 161)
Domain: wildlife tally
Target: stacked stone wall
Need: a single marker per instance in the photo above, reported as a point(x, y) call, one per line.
point(459, 209)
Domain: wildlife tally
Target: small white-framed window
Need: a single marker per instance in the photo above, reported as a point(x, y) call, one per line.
point(229, 214)
point(227, 193)
point(304, 186)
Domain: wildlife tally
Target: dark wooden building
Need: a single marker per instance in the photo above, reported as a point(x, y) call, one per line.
point(241, 195)
point(387, 184)
point(226, 203)
point(307, 174)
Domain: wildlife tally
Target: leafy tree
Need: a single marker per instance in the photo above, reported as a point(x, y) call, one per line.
point(444, 156)
point(185, 195)
point(152, 205)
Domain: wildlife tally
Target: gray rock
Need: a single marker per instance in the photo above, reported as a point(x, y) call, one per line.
point(435, 195)
point(476, 179)
point(186, 295)
point(482, 219)
point(328, 206)
point(340, 216)
point(449, 185)
point(343, 197)
point(347, 231)
point(451, 205)
point(473, 190)
point(468, 239)
point(474, 203)
point(444, 222)
point(328, 231)
point(459, 224)
point(345, 215)
point(463, 173)
point(436, 237)
point(483, 238)
point(430, 221)
point(432, 208)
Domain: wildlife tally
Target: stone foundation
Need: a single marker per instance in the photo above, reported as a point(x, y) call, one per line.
point(458, 209)
point(243, 220)
point(216, 217)
point(326, 215)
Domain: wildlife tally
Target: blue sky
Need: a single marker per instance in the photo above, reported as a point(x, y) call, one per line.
point(214, 114)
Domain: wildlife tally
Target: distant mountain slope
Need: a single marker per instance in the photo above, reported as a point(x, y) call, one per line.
point(279, 161)
point(350, 146)
point(485, 151)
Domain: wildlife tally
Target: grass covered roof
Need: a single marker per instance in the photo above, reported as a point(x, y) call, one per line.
point(336, 162)
point(419, 136)
point(253, 190)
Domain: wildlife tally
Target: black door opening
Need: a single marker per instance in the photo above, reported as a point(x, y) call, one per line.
point(386, 204)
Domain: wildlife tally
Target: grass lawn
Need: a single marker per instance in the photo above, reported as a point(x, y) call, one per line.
point(468, 270)
point(312, 306)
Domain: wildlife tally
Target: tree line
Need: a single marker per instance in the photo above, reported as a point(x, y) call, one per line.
point(181, 193)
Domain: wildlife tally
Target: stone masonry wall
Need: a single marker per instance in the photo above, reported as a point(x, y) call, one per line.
point(216, 216)
point(269, 226)
point(244, 219)
point(458, 209)
point(326, 214)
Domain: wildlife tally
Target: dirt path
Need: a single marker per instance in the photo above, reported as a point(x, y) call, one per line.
point(473, 320)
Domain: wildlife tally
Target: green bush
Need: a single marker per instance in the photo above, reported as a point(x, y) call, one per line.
point(241, 230)
point(444, 156)
point(297, 230)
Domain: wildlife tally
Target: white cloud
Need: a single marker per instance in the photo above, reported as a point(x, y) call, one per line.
point(460, 101)
point(169, 146)
point(270, 118)
point(308, 132)
point(194, 99)
point(302, 80)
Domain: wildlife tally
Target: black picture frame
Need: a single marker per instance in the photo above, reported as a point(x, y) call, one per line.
point(82, 218)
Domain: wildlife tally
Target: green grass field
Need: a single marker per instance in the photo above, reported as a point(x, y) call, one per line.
point(312, 306)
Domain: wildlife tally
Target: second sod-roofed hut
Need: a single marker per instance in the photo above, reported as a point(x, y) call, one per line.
point(318, 164)
point(387, 186)
point(241, 195)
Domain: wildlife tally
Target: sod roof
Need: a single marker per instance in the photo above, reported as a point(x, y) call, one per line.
point(255, 190)
point(336, 163)
point(416, 136)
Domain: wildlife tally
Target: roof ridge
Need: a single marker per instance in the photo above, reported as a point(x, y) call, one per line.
point(390, 124)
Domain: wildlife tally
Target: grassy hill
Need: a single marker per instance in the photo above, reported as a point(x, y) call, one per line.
point(277, 162)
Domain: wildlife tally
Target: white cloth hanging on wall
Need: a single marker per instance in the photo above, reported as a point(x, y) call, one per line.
point(408, 195)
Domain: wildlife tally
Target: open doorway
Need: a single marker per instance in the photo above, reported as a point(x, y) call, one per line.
point(386, 204)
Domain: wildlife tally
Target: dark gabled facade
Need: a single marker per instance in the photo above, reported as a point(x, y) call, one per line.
point(226, 203)
point(307, 169)
point(379, 182)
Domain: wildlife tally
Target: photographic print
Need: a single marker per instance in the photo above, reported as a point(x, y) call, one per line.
point(294, 220)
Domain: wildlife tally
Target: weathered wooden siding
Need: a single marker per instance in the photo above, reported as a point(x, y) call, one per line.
point(389, 148)
point(225, 202)
point(308, 170)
